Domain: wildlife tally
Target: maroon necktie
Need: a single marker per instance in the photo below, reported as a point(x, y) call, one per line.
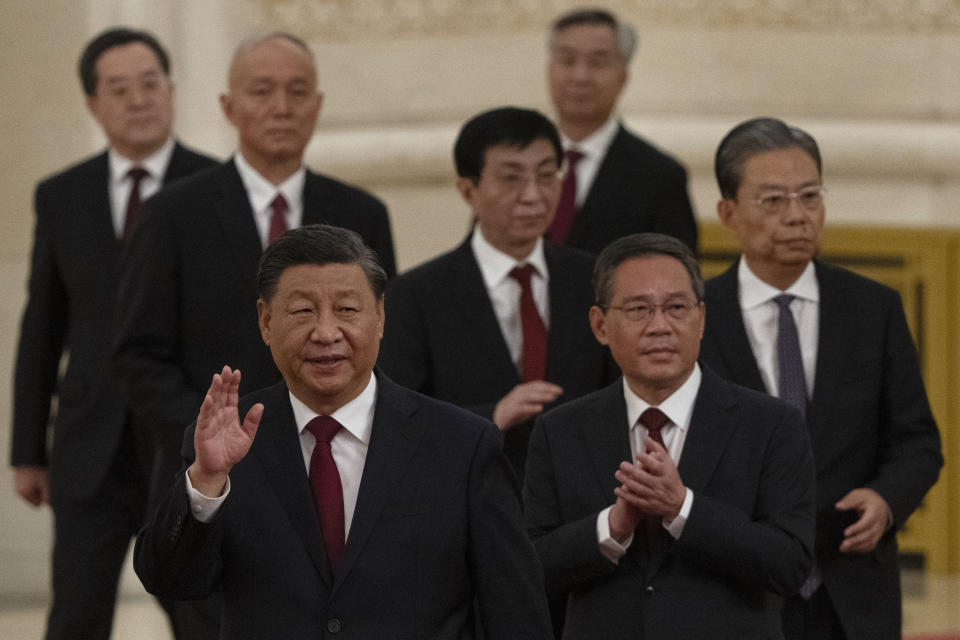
point(278, 219)
point(654, 420)
point(534, 358)
point(567, 207)
point(136, 175)
point(327, 490)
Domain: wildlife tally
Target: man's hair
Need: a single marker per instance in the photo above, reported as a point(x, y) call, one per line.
point(319, 244)
point(509, 126)
point(752, 137)
point(626, 36)
point(87, 66)
point(252, 41)
point(638, 245)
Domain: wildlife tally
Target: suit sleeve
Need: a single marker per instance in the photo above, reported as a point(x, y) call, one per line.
point(147, 342)
point(673, 213)
point(507, 577)
point(569, 551)
point(176, 556)
point(910, 455)
point(771, 548)
point(43, 331)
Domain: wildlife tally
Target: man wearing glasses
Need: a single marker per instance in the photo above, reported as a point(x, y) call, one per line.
point(671, 504)
point(836, 346)
point(499, 324)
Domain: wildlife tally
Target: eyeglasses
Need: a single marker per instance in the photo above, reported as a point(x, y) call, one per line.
point(644, 311)
point(517, 180)
point(778, 202)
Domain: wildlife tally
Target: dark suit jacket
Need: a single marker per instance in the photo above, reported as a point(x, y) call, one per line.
point(72, 290)
point(442, 337)
point(749, 534)
point(188, 292)
point(870, 426)
point(437, 525)
point(637, 188)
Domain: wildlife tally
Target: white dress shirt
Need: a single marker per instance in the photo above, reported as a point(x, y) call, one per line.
point(678, 408)
point(349, 449)
point(120, 184)
point(594, 149)
point(760, 317)
point(261, 193)
point(504, 291)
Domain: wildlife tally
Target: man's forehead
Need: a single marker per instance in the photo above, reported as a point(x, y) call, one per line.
point(643, 275)
point(131, 56)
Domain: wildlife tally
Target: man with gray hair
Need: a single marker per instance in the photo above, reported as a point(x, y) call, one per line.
point(837, 347)
point(671, 504)
point(615, 182)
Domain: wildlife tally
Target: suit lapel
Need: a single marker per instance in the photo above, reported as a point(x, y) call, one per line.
point(278, 450)
point(237, 227)
point(729, 335)
point(394, 438)
point(606, 184)
point(607, 439)
point(833, 346)
point(98, 210)
point(473, 305)
point(315, 201)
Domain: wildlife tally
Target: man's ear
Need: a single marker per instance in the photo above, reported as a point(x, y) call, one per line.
point(263, 318)
point(467, 187)
point(598, 322)
point(726, 210)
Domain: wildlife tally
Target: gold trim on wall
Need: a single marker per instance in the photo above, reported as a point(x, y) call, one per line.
point(351, 19)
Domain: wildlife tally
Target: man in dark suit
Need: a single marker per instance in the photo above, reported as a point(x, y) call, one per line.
point(616, 183)
point(458, 329)
point(392, 514)
point(671, 504)
point(854, 373)
point(98, 473)
point(190, 273)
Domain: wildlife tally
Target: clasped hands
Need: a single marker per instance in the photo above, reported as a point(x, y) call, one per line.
point(221, 440)
point(649, 486)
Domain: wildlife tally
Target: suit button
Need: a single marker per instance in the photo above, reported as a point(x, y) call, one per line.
point(334, 625)
point(649, 589)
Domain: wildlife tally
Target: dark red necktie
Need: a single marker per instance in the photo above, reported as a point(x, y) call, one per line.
point(278, 219)
point(534, 358)
point(136, 175)
point(567, 208)
point(654, 420)
point(327, 490)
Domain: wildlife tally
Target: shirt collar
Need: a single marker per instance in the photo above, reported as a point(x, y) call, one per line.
point(678, 407)
point(755, 292)
point(594, 145)
point(495, 265)
point(155, 164)
point(262, 192)
point(356, 416)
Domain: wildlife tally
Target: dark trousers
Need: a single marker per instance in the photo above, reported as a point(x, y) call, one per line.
point(813, 619)
point(91, 539)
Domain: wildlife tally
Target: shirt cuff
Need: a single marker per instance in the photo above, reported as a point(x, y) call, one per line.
point(610, 548)
point(675, 528)
point(202, 507)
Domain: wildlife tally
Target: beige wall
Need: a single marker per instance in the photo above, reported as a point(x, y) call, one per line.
point(875, 82)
